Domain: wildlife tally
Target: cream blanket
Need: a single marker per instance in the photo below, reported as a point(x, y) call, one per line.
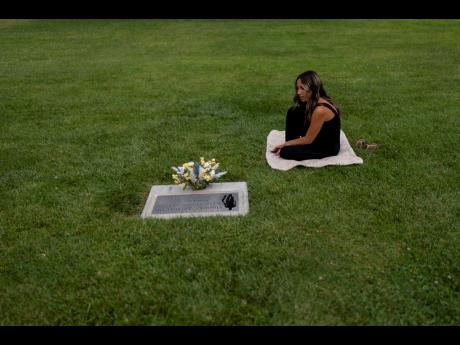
point(346, 154)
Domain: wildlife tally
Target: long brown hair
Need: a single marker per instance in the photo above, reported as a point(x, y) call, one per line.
point(311, 81)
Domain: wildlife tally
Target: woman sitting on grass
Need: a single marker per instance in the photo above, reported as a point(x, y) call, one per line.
point(312, 123)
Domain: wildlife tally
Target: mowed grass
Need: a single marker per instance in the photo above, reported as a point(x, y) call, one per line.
point(95, 112)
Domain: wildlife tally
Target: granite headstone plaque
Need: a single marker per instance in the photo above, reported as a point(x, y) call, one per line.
point(218, 199)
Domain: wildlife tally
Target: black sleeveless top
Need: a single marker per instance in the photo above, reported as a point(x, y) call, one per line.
point(328, 137)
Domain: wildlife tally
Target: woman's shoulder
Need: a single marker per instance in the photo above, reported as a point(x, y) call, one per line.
point(324, 112)
point(326, 104)
point(322, 100)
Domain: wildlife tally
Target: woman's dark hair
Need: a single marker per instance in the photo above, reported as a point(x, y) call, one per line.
point(311, 81)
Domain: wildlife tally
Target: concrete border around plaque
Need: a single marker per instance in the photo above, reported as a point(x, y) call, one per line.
point(218, 199)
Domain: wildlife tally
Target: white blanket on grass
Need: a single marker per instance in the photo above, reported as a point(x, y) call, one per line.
point(346, 154)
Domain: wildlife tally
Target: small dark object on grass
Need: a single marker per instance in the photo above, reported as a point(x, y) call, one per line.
point(371, 147)
point(361, 144)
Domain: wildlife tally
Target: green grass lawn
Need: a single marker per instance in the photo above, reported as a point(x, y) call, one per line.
point(95, 112)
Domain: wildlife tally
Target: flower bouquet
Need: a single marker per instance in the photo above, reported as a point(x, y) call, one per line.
point(197, 175)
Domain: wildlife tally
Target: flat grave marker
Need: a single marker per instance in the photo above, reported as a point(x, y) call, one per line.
point(218, 199)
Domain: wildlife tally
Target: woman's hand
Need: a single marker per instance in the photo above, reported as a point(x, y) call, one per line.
point(277, 149)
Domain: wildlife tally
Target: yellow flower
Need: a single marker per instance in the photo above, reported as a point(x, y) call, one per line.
point(176, 178)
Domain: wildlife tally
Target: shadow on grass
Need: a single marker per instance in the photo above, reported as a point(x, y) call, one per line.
point(126, 200)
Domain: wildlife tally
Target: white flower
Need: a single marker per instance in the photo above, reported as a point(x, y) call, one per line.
point(220, 174)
